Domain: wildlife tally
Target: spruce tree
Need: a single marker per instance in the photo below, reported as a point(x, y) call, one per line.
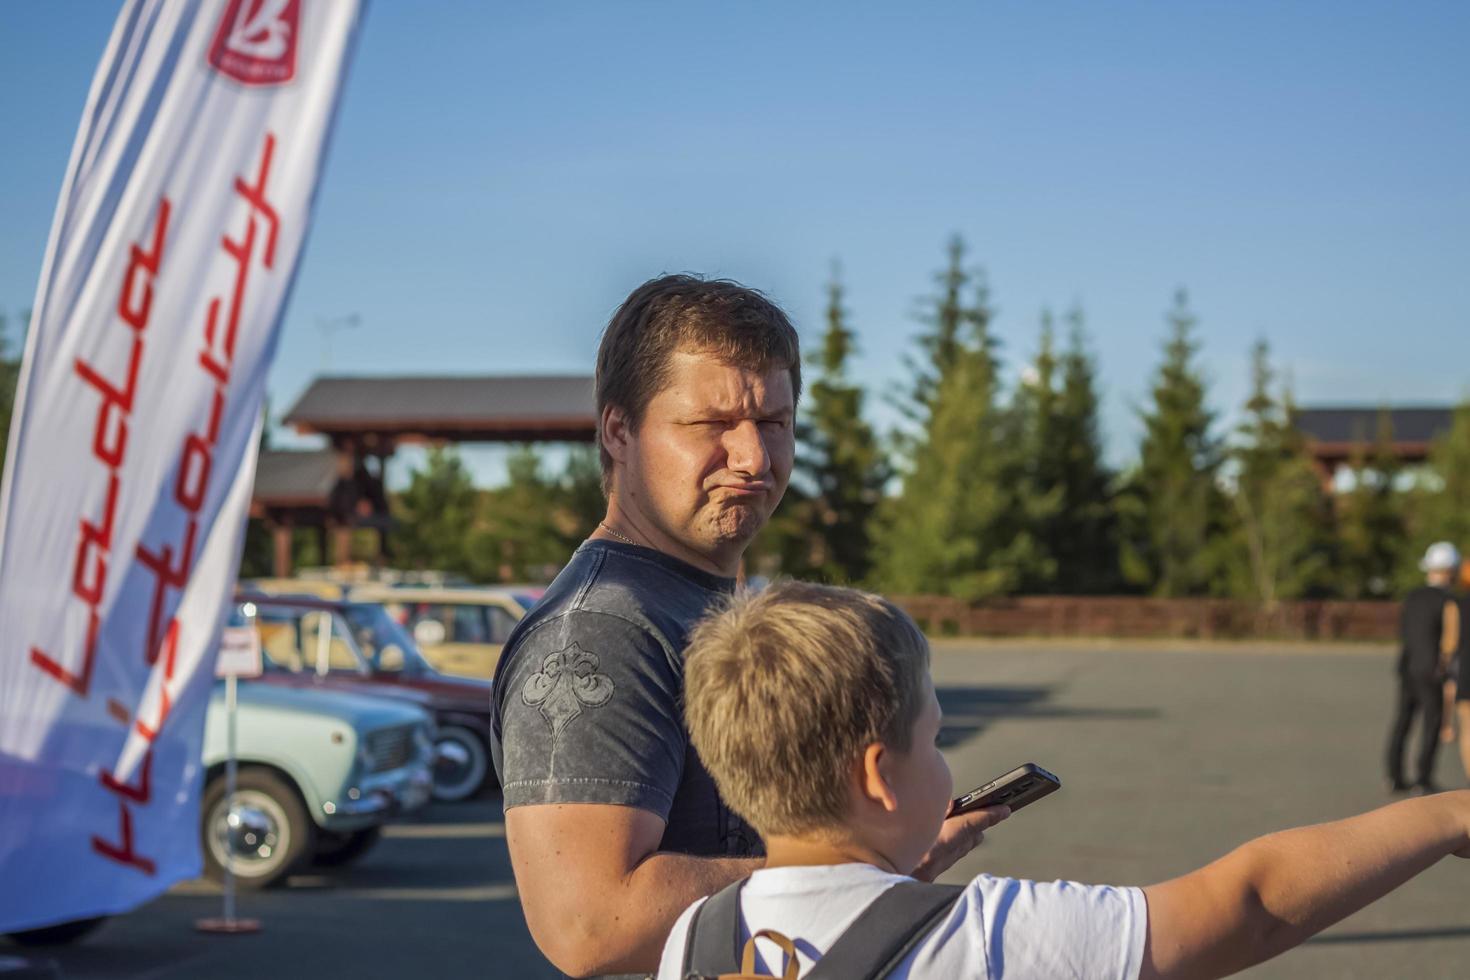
point(951, 324)
point(1370, 523)
point(525, 523)
point(1065, 488)
point(437, 514)
point(1282, 540)
point(1086, 546)
point(949, 321)
point(1172, 510)
point(841, 463)
point(952, 528)
point(1040, 466)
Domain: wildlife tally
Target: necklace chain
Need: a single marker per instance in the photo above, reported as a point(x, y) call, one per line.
point(616, 533)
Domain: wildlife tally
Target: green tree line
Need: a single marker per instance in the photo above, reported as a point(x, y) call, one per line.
point(989, 488)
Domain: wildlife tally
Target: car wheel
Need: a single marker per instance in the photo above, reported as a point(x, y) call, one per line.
point(59, 934)
point(334, 850)
point(460, 765)
point(262, 836)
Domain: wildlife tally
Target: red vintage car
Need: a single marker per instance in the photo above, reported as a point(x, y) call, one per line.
point(356, 646)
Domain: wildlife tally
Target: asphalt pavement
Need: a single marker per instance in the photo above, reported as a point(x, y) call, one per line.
point(1169, 757)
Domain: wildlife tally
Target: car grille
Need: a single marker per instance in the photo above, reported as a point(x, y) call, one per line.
point(389, 748)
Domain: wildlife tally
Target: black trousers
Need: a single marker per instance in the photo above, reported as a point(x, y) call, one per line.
point(1421, 696)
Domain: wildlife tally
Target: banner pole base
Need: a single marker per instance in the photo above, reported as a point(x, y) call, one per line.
point(227, 927)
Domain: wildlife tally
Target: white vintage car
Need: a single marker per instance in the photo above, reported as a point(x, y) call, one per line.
point(319, 772)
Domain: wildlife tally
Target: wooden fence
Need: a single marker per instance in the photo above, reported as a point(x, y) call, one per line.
point(1134, 616)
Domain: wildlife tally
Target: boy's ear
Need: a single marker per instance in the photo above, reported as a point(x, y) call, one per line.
point(874, 777)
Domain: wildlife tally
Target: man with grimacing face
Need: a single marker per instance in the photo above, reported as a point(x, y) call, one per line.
point(702, 470)
point(612, 822)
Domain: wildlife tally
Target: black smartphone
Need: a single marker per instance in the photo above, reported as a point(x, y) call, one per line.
point(1021, 786)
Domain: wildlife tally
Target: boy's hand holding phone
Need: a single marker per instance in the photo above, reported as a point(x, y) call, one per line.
point(980, 809)
point(959, 835)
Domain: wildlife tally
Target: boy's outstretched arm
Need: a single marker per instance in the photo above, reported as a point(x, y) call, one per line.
point(1276, 891)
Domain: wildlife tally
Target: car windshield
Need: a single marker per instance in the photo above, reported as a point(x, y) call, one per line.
point(387, 645)
point(301, 639)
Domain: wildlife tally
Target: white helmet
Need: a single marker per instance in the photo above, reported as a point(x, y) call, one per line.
point(1441, 557)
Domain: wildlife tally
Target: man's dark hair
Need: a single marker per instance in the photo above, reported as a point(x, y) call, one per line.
point(732, 323)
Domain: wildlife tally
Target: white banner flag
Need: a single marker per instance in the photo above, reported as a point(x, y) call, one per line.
point(132, 452)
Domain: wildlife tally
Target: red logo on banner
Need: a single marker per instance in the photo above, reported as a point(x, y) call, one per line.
point(256, 41)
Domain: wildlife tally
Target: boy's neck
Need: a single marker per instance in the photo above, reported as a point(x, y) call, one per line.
point(790, 852)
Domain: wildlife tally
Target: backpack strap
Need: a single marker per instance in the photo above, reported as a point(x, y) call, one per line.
point(877, 941)
point(886, 931)
point(712, 947)
point(788, 952)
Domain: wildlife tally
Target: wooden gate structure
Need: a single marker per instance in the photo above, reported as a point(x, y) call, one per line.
point(338, 490)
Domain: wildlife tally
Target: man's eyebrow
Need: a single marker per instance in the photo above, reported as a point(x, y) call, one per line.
point(712, 412)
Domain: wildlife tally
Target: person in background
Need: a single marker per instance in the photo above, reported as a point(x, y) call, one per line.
point(1429, 628)
point(1451, 687)
point(1460, 677)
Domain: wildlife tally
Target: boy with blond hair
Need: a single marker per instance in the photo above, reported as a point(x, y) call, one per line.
point(813, 709)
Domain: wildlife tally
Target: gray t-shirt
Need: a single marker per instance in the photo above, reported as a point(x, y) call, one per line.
point(589, 697)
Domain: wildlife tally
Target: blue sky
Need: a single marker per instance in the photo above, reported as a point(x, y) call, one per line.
point(503, 174)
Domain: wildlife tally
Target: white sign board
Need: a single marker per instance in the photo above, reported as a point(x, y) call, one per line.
point(239, 653)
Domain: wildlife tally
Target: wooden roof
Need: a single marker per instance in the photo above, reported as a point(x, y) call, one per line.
point(294, 477)
point(479, 408)
point(1335, 432)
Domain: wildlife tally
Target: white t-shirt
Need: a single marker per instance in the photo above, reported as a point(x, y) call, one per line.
point(1000, 927)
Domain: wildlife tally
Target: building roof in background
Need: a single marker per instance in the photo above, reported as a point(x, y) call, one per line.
point(510, 408)
point(294, 477)
point(1347, 424)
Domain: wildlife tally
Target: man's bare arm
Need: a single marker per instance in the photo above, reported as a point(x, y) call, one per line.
point(1276, 891)
point(598, 895)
